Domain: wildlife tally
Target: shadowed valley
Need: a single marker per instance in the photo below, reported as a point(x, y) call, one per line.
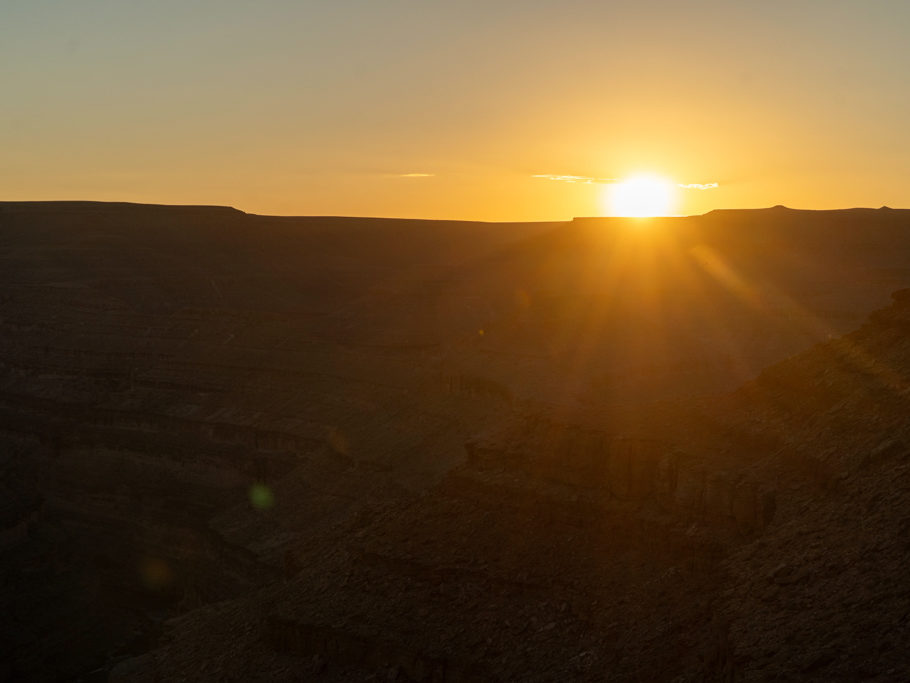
point(238, 447)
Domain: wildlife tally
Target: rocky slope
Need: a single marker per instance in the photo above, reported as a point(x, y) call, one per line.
point(253, 430)
point(164, 372)
point(772, 548)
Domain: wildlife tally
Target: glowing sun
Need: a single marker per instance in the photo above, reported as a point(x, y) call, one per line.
point(641, 195)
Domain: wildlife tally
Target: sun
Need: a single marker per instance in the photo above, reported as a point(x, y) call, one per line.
point(641, 196)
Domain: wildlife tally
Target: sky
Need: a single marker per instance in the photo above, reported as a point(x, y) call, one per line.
point(475, 109)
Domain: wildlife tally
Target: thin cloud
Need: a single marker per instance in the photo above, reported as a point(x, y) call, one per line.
point(415, 175)
point(583, 179)
point(590, 180)
point(699, 186)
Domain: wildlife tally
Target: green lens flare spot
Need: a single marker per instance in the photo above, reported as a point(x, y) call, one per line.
point(261, 497)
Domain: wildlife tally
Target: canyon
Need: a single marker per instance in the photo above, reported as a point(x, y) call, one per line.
point(238, 447)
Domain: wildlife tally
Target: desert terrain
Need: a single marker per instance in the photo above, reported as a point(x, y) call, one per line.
point(241, 447)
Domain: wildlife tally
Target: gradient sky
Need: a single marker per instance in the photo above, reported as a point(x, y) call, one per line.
point(450, 109)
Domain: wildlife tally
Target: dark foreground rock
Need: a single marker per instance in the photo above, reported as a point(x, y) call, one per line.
point(243, 448)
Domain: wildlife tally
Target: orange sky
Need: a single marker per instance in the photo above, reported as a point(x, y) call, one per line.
point(454, 110)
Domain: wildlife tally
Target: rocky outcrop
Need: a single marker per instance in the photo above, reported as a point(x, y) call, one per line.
point(474, 386)
point(246, 434)
point(629, 470)
point(325, 646)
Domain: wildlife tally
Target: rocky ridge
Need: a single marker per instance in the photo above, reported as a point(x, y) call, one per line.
point(236, 443)
point(550, 555)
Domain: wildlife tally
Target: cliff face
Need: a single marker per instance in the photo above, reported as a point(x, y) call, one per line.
point(171, 380)
point(772, 546)
point(259, 424)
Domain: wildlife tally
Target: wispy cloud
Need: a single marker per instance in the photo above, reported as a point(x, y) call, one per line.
point(590, 180)
point(699, 186)
point(415, 175)
point(585, 180)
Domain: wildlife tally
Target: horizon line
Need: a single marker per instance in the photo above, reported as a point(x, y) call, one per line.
point(226, 207)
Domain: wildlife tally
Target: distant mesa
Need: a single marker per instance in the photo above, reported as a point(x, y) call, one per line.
point(112, 208)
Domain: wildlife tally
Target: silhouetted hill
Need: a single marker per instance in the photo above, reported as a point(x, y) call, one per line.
point(647, 309)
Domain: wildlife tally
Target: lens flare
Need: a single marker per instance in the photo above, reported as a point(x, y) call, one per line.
point(261, 497)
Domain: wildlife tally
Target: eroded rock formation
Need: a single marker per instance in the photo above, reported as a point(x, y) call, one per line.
point(234, 447)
